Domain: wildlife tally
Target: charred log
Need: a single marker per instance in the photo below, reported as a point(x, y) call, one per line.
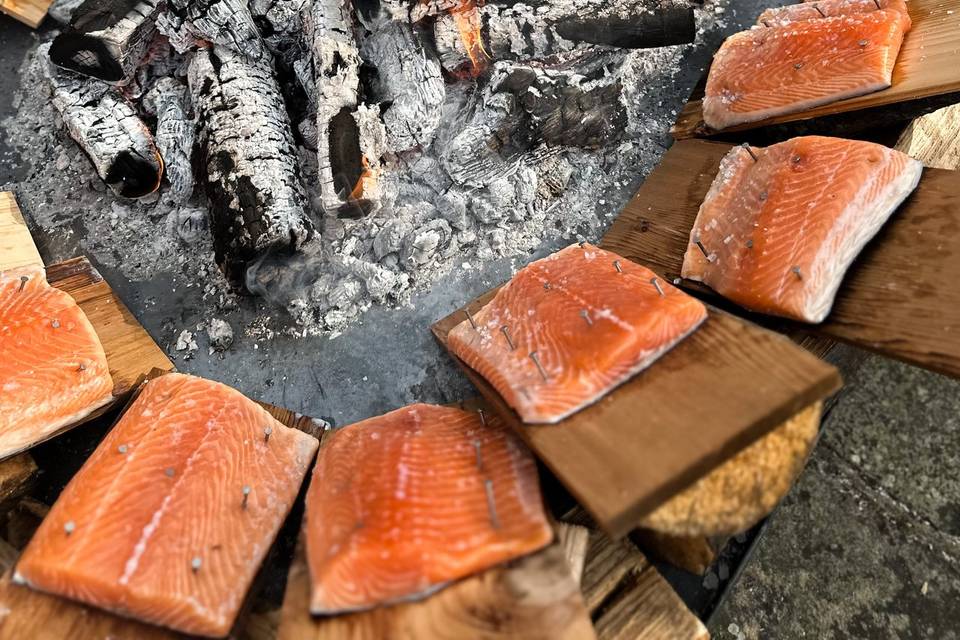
point(107, 39)
point(107, 128)
point(248, 161)
point(343, 163)
point(524, 32)
point(281, 24)
point(62, 10)
point(175, 134)
point(409, 81)
point(228, 23)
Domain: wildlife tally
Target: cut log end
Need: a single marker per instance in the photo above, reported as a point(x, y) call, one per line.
point(132, 176)
point(87, 55)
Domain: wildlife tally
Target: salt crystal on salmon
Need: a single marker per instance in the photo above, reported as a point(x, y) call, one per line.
point(780, 226)
point(53, 370)
point(402, 504)
point(767, 72)
point(568, 329)
point(781, 16)
point(170, 518)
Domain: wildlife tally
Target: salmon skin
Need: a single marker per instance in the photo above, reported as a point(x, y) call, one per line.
point(782, 16)
point(780, 226)
point(767, 72)
point(402, 504)
point(53, 370)
point(568, 329)
point(170, 518)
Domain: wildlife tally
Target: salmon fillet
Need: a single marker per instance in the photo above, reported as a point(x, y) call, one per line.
point(781, 16)
point(404, 503)
point(170, 518)
point(777, 234)
point(762, 73)
point(53, 371)
point(568, 329)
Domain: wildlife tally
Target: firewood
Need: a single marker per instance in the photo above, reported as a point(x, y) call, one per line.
point(694, 554)
point(175, 134)
point(281, 24)
point(248, 160)
point(107, 39)
point(62, 10)
point(409, 80)
point(524, 32)
point(107, 128)
point(228, 23)
point(16, 473)
point(736, 495)
point(934, 139)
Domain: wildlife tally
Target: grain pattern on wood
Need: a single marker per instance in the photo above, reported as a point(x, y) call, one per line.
point(16, 244)
point(535, 597)
point(29, 12)
point(927, 66)
point(900, 298)
point(131, 352)
point(934, 139)
point(16, 474)
point(35, 615)
point(626, 595)
point(715, 393)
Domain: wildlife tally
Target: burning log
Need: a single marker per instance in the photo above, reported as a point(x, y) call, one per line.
point(281, 26)
point(107, 128)
point(344, 167)
point(107, 39)
point(529, 109)
point(409, 78)
point(524, 32)
point(190, 23)
point(175, 134)
point(248, 160)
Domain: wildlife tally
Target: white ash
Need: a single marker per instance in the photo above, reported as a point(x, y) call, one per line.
point(62, 10)
point(220, 335)
point(428, 224)
point(186, 342)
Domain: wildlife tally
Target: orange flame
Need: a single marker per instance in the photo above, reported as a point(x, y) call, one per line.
point(361, 187)
point(468, 21)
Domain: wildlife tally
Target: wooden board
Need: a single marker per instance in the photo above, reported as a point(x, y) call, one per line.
point(901, 297)
point(39, 616)
point(29, 12)
point(16, 244)
point(627, 597)
point(712, 395)
point(934, 139)
point(927, 66)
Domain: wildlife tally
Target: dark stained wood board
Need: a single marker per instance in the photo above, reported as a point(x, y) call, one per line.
point(535, 597)
point(39, 616)
point(712, 395)
point(927, 66)
point(900, 299)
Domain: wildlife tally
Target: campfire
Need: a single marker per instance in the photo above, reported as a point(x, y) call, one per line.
point(339, 146)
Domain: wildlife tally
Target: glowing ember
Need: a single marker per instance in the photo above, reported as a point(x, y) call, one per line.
point(367, 178)
point(469, 24)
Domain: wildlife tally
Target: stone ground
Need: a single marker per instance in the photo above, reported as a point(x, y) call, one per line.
point(866, 546)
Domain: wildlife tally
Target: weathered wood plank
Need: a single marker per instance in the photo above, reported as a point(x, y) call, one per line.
point(630, 452)
point(16, 244)
point(29, 12)
point(925, 67)
point(535, 597)
point(900, 299)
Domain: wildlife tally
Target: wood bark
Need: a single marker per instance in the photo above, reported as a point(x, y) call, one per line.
point(523, 32)
point(229, 23)
point(107, 128)
point(248, 160)
point(409, 80)
point(175, 134)
point(107, 39)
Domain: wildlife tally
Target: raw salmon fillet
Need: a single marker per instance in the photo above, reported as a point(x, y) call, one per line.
point(53, 371)
point(170, 518)
point(568, 329)
point(766, 72)
point(781, 16)
point(402, 504)
point(777, 234)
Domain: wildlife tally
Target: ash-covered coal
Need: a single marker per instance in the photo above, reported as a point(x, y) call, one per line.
point(502, 166)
